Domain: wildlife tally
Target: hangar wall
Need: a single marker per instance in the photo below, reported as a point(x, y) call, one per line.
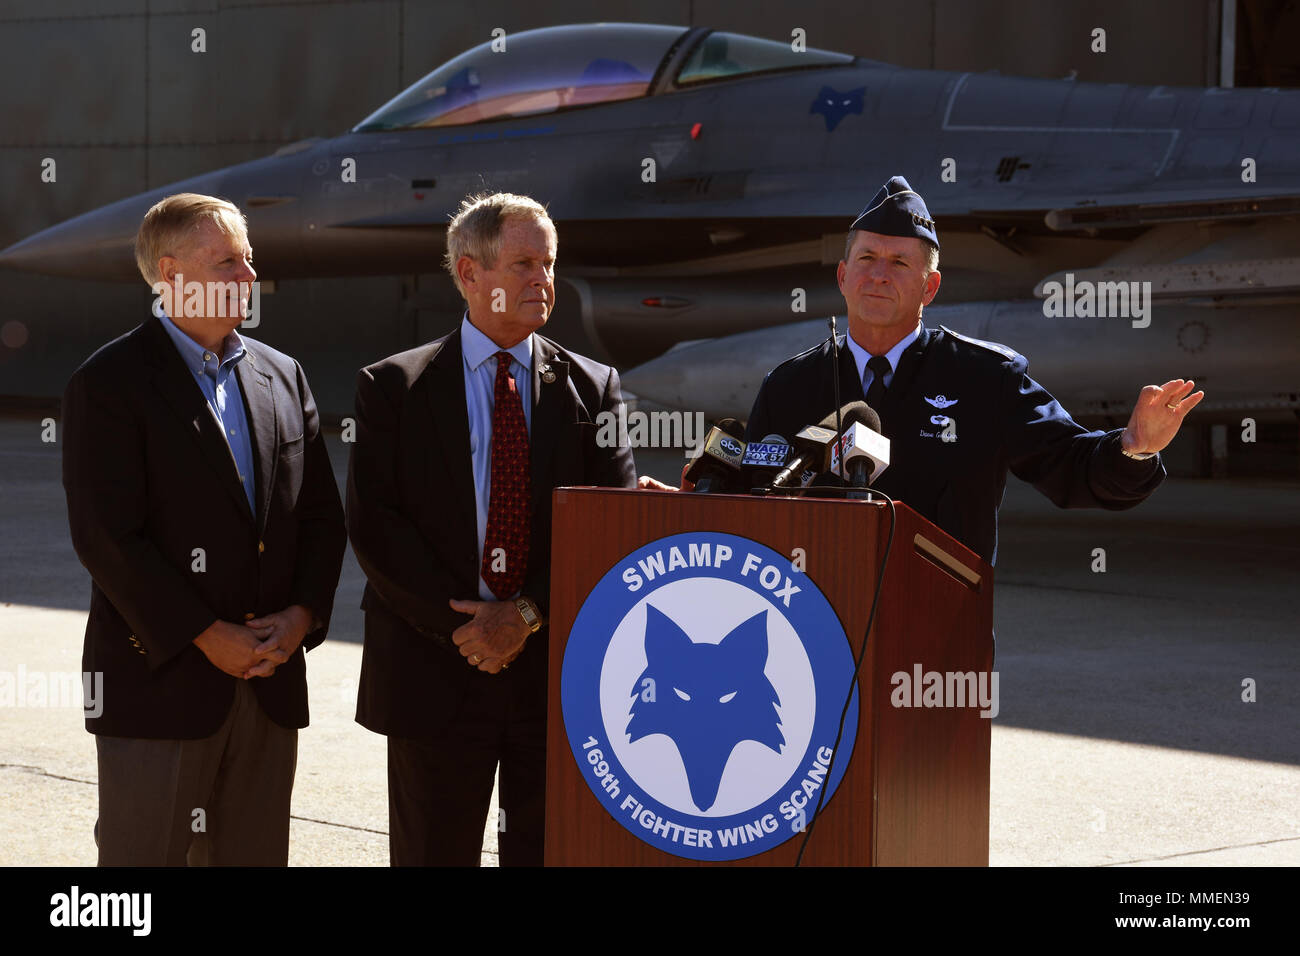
point(113, 92)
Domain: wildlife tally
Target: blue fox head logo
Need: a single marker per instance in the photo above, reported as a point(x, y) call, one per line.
point(706, 698)
point(834, 105)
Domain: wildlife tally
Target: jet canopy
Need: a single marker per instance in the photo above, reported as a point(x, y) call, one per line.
point(557, 68)
point(721, 56)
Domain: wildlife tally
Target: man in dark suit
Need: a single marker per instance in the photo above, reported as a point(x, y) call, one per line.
point(959, 412)
point(458, 445)
point(201, 501)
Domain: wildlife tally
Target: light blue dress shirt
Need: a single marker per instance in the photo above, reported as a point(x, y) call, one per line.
point(220, 386)
point(480, 389)
point(862, 356)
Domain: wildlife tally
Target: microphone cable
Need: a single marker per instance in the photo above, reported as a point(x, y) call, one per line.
point(853, 683)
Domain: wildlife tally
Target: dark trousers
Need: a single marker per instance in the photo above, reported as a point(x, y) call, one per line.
point(439, 789)
point(217, 801)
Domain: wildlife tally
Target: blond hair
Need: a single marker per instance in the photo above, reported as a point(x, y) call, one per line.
point(475, 229)
point(171, 222)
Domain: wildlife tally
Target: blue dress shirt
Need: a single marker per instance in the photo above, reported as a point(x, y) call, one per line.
point(220, 386)
point(862, 356)
point(480, 389)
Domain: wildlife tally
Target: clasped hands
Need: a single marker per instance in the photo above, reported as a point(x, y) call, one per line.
point(258, 646)
point(494, 637)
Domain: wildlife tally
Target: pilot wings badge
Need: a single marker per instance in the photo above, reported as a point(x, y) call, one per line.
point(939, 401)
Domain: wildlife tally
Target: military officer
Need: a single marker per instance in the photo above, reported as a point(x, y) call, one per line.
point(959, 412)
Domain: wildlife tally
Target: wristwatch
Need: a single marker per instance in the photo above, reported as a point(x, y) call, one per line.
point(1135, 455)
point(530, 616)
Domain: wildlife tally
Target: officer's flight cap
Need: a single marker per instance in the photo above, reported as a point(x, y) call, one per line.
point(898, 210)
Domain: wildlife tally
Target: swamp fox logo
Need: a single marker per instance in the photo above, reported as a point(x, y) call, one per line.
point(702, 700)
point(834, 105)
point(706, 698)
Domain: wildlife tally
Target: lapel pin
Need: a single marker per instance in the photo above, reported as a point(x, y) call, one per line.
point(548, 376)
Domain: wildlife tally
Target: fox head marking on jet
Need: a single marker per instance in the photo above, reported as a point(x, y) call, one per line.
point(834, 105)
point(706, 698)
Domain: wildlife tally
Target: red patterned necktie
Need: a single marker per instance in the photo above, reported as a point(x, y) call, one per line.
point(510, 511)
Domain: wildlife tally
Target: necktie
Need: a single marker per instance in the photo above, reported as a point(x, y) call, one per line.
point(510, 501)
point(880, 367)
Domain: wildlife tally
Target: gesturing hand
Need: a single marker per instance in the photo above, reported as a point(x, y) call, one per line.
point(494, 637)
point(1159, 413)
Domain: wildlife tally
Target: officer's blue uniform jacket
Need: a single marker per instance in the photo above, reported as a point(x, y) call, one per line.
point(1001, 419)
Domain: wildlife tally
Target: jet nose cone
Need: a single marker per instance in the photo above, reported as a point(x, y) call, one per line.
point(96, 245)
point(659, 380)
point(703, 376)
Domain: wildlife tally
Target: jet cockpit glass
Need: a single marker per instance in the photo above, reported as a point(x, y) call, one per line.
point(536, 71)
point(724, 55)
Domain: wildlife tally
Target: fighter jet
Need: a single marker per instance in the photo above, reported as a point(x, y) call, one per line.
point(702, 182)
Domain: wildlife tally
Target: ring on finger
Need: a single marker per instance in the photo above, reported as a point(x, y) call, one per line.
point(475, 659)
point(1171, 406)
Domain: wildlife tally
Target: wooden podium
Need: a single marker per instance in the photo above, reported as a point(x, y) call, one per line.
point(916, 789)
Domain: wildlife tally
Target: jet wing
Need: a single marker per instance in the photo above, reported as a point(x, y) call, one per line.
point(1129, 211)
point(1124, 212)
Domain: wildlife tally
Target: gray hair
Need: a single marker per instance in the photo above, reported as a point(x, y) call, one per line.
point(475, 229)
point(932, 251)
point(171, 222)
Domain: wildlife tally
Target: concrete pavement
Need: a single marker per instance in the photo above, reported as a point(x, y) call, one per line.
point(1122, 739)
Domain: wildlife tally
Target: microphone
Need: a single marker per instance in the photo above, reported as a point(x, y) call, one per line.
point(764, 459)
point(835, 374)
point(861, 448)
point(717, 467)
point(812, 445)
